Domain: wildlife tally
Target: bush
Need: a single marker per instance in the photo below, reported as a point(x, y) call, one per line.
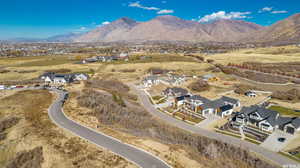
point(199, 86)
point(135, 120)
point(127, 70)
point(210, 61)
point(4, 71)
point(293, 94)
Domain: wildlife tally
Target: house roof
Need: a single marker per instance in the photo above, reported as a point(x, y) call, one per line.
point(208, 76)
point(213, 104)
point(266, 113)
point(229, 100)
point(226, 107)
point(177, 90)
point(272, 120)
point(199, 98)
point(283, 120)
point(182, 97)
point(151, 77)
point(296, 123)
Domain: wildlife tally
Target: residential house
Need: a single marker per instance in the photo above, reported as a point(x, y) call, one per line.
point(251, 94)
point(81, 77)
point(210, 78)
point(289, 125)
point(193, 102)
point(149, 81)
point(62, 79)
point(231, 101)
point(266, 120)
point(175, 92)
point(2, 87)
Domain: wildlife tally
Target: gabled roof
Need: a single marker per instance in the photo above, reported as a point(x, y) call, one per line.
point(199, 98)
point(265, 113)
point(249, 110)
point(272, 120)
point(229, 100)
point(182, 97)
point(213, 104)
point(208, 76)
point(151, 77)
point(283, 120)
point(226, 107)
point(177, 90)
point(296, 123)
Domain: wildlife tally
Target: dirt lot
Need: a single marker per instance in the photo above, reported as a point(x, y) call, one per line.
point(59, 148)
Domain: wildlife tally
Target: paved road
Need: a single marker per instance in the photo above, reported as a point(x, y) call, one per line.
point(131, 153)
point(268, 155)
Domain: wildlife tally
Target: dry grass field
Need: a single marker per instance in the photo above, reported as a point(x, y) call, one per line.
point(59, 148)
point(268, 55)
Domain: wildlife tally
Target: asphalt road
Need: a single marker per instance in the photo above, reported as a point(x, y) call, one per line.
point(267, 155)
point(131, 153)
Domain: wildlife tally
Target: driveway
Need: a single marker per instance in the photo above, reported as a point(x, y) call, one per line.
point(272, 143)
point(210, 118)
point(267, 154)
point(138, 156)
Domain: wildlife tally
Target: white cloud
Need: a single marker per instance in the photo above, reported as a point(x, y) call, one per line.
point(82, 28)
point(278, 12)
point(165, 11)
point(266, 9)
point(105, 23)
point(271, 10)
point(137, 4)
point(224, 15)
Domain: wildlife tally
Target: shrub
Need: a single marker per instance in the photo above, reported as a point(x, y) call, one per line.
point(135, 120)
point(199, 86)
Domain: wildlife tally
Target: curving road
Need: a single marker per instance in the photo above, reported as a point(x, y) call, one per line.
point(138, 156)
point(269, 155)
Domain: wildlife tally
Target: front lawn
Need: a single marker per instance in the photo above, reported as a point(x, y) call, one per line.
point(188, 117)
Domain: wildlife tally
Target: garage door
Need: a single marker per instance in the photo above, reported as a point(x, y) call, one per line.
point(290, 130)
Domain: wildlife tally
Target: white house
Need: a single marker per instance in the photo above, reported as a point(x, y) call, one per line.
point(2, 87)
point(81, 77)
point(150, 81)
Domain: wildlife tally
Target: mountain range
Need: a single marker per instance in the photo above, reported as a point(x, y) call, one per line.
point(171, 28)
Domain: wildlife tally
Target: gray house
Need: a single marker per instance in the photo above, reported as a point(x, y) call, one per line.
point(266, 120)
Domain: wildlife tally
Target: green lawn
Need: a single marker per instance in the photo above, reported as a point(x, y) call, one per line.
point(285, 111)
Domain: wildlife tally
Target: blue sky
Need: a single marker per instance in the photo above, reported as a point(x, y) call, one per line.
point(44, 18)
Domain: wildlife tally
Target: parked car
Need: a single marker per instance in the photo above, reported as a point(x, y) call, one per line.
point(19, 87)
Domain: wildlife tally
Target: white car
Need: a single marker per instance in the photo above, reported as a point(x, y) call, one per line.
point(2, 87)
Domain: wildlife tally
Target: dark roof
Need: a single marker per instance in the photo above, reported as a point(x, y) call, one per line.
point(213, 104)
point(266, 113)
point(226, 107)
point(177, 90)
point(229, 100)
point(296, 122)
point(272, 120)
point(182, 97)
point(248, 110)
point(283, 120)
point(197, 97)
